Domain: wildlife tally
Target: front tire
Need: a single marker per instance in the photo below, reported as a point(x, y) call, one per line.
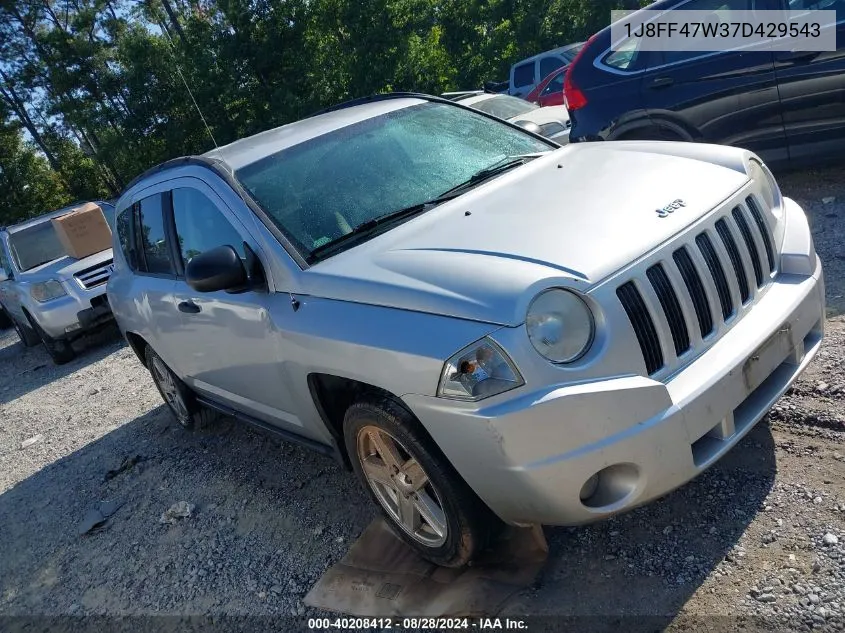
point(26, 334)
point(59, 350)
point(425, 501)
point(176, 394)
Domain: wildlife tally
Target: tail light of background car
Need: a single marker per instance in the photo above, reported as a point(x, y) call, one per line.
point(573, 97)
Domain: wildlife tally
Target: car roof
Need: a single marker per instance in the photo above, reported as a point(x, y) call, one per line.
point(20, 226)
point(252, 148)
point(559, 49)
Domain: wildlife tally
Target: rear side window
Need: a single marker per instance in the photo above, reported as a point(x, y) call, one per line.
point(125, 225)
point(201, 226)
point(154, 242)
point(550, 64)
point(626, 56)
point(523, 75)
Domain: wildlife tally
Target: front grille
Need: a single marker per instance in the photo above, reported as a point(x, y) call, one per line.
point(705, 274)
point(96, 275)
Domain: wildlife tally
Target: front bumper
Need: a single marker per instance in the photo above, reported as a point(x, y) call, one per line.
point(70, 317)
point(532, 458)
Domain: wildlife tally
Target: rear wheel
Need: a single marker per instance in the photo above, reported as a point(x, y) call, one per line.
point(425, 501)
point(176, 394)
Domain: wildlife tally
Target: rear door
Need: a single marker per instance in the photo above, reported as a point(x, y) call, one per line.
point(812, 92)
point(523, 78)
point(727, 97)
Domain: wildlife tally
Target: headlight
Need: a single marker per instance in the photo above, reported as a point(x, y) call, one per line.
point(768, 186)
point(560, 325)
point(478, 371)
point(47, 290)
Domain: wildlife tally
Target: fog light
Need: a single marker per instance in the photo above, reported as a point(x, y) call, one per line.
point(73, 328)
point(612, 487)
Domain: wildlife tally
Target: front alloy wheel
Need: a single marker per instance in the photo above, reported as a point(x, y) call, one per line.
point(425, 501)
point(402, 486)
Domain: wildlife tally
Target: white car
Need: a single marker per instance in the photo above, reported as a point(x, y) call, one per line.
point(552, 122)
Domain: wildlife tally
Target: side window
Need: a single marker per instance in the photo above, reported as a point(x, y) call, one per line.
point(200, 225)
point(626, 56)
point(126, 235)
point(523, 75)
point(550, 64)
point(154, 244)
point(554, 86)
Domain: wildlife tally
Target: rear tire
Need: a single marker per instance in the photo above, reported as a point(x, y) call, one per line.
point(177, 396)
point(425, 501)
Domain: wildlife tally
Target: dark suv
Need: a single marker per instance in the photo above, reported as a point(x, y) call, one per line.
point(785, 106)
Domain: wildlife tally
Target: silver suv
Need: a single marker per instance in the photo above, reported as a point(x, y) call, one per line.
point(488, 328)
point(50, 297)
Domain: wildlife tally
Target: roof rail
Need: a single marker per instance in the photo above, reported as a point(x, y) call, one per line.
point(170, 164)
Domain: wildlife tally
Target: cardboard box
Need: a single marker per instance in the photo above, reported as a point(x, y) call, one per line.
point(84, 231)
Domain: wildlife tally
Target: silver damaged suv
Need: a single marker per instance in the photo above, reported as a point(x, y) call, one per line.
point(50, 297)
point(488, 328)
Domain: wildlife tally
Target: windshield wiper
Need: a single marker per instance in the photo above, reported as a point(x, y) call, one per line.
point(499, 167)
point(370, 226)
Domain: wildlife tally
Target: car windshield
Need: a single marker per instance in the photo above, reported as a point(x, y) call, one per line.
point(39, 243)
point(504, 106)
point(35, 245)
point(318, 191)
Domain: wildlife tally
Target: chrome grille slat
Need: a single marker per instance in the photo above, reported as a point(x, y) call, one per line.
point(763, 228)
point(750, 244)
point(643, 325)
point(695, 289)
point(95, 275)
point(671, 308)
point(717, 272)
point(736, 261)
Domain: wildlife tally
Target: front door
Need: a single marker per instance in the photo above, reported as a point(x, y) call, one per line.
point(232, 351)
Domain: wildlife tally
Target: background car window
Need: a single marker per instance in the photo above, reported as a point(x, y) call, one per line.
point(819, 5)
point(523, 75)
point(719, 12)
point(555, 85)
point(572, 53)
point(126, 236)
point(154, 237)
point(626, 56)
point(201, 226)
point(550, 64)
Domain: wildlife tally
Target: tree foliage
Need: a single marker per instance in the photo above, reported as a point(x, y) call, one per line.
point(92, 92)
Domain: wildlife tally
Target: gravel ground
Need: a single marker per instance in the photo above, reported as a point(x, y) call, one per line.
point(759, 538)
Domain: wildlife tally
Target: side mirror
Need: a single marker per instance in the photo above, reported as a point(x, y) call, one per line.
point(218, 269)
point(530, 126)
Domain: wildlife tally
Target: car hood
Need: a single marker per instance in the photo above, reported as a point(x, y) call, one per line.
point(549, 114)
point(570, 218)
point(65, 267)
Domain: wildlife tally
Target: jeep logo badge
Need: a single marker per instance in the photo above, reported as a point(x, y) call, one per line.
point(670, 208)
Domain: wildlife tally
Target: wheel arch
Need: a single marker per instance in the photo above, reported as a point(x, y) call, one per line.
point(333, 395)
point(138, 345)
point(655, 127)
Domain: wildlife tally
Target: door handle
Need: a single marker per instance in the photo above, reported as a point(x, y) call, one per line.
point(189, 307)
point(797, 56)
point(661, 82)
